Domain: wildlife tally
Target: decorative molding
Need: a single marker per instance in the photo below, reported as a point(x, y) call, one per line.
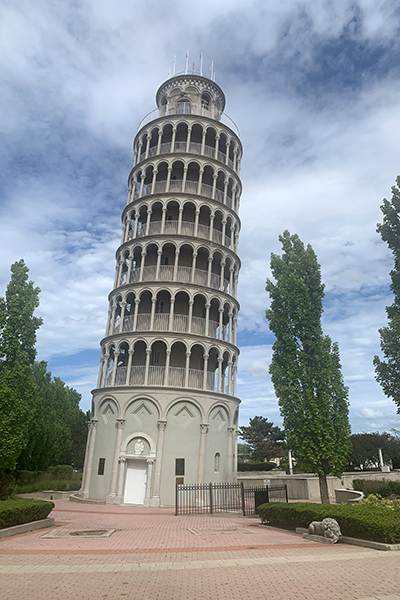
point(204, 427)
point(161, 425)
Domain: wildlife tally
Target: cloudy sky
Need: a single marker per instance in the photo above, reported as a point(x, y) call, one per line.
point(314, 89)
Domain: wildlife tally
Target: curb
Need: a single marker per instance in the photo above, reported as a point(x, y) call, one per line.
point(357, 542)
point(26, 527)
point(75, 498)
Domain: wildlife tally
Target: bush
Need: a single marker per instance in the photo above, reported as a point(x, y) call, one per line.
point(64, 471)
point(372, 486)
point(265, 466)
point(17, 512)
point(67, 485)
point(359, 521)
point(7, 486)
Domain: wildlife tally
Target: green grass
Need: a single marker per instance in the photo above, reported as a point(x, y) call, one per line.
point(50, 484)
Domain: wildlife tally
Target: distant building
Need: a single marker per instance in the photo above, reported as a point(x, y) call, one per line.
point(165, 409)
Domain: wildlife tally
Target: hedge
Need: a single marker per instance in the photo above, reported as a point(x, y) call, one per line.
point(264, 466)
point(364, 522)
point(372, 486)
point(17, 512)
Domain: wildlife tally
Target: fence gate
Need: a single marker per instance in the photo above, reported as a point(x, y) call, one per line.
point(191, 499)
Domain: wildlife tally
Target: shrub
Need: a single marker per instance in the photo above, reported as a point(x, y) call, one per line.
point(265, 466)
point(64, 471)
point(7, 486)
point(17, 512)
point(360, 521)
point(372, 486)
point(51, 484)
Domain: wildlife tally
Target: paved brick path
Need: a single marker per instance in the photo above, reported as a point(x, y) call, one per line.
point(154, 555)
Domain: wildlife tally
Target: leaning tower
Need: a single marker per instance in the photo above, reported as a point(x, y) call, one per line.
point(165, 409)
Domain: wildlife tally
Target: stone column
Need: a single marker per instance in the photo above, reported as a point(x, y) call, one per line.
point(148, 221)
point(148, 138)
point(100, 377)
point(228, 145)
point(175, 275)
point(210, 261)
point(216, 146)
point(153, 310)
point(173, 139)
point(155, 499)
point(110, 498)
point(146, 371)
point(205, 356)
point(128, 370)
point(221, 283)
point(203, 141)
point(180, 219)
point(185, 170)
point(202, 452)
point(121, 323)
point(168, 178)
point(135, 227)
point(167, 361)
point(114, 372)
point(220, 361)
point(194, 257)
point(89, 461)
point(196, 222)
point(212, 217)
point(189, 133)
point(207, 307)
point(153, 183)
point(191, 302)
point(143, 255)
point(187, 354)
point(221, 316)
point(230, 455)
point(135, 315)
point(200, 181)
point(159, 255)
point(147, 497)
point(164, 214)
point(121, 476)
point(235, 455)
point(230, 364)
point(215, 177)
point(104, 376)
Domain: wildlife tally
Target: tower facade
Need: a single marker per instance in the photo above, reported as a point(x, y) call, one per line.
point(165, 409)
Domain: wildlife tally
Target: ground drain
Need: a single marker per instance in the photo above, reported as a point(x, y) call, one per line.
point(87, 533)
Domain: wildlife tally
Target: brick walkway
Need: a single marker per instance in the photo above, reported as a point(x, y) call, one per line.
point(153, 555)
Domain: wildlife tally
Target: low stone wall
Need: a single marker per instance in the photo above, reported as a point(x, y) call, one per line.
point(306, 485)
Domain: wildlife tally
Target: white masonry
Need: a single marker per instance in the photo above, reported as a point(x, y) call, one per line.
point(165, 409)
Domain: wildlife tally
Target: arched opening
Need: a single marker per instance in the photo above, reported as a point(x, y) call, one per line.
point(181, 137)
point(202, 266)
point(162, 309)
point(155, 218)
point(208, 181)
point(196, 138)
point(196, 367)
point(203, 229)
point(199, 315)
point(219, 191)
point(136, 263)
point(222, 148)
point(138, 363)
point(157, 363)
point(214, 318)
point(122, 364)
point(185, 261)
point(209, 148)
point(192, 177)
point(183, 107)
point(216, 270)
point(172, 216)
point(181, 312)
point(167, 262)
point(144, 311)
point(205, 101)
point(188, 218)
point(142, 221)
point(117, 314)
point(212, 368)
point(153, 142)
point(175, 184)
point(217, 227)
point(149, 271)
point(129, 312)
point(166, 139)
point(177, 364)
point(110, 364)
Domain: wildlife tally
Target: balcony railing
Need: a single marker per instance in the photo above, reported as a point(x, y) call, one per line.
point(176, 377)
point(194, 148)
point(187, 228)
point(192, 109)
point(176, 186)
point(183, 275)
point(180, 323)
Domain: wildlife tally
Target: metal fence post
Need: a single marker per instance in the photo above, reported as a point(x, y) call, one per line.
point(176, 499)
point(286, 494)
point(267, 493)
point(211, 499)
point(243, 502)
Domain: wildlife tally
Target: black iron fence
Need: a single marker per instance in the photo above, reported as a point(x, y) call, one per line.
point(192, 499)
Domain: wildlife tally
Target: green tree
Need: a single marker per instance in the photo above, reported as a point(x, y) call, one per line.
point(18, 392)
point(365, 447)
point(305, 367)
point(388, 371)
point(58, 433)
point(265, 439)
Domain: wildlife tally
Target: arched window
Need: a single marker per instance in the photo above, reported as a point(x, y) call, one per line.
point(216, 462)
point(205, 101)
point(183, 107)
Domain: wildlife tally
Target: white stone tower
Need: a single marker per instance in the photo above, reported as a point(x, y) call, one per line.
point(165, 409)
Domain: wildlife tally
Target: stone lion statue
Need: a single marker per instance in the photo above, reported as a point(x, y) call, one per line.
point(328, 528)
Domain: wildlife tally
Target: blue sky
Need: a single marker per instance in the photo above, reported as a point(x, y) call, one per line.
point(314, 89)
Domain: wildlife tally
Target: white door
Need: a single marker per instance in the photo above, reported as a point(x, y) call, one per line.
point(135, 485)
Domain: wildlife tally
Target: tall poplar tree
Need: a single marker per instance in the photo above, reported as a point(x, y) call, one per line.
point(305, 367)
point(18, 391)
point(388, 370)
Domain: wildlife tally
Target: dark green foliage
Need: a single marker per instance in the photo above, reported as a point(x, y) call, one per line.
point(7, 486)
point(17, 512)
point(265, 439)
point(388, 370)
point(372, 486)
point(305, 367)
point(18, 392)
point(263, 466)
point(64, 471)
point(363, 522)
point(59, 431)
point(55, 484)
point(365, 447)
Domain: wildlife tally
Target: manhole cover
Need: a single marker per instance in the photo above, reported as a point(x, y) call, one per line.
point(88, 533)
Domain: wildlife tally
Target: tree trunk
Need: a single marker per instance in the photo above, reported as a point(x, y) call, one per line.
point(323, 489)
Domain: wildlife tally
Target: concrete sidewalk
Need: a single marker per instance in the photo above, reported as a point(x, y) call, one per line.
point(154, 555)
